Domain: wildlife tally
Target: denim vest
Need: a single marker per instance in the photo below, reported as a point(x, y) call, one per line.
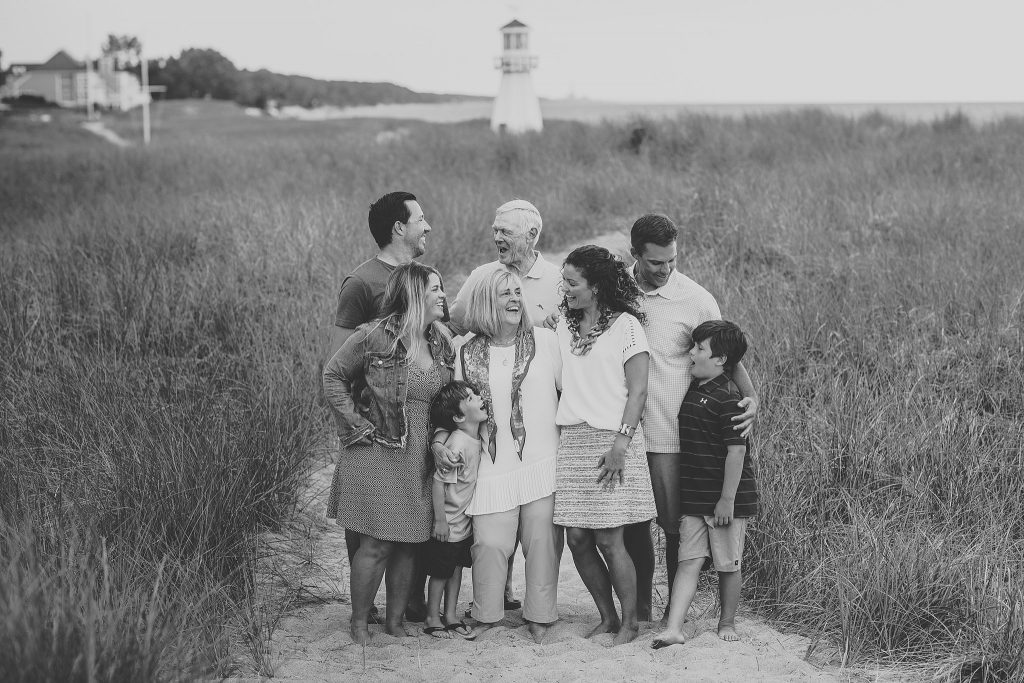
point(366, 383)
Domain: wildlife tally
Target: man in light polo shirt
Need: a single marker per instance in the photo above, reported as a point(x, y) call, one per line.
point(674, 305)
point(517, 225)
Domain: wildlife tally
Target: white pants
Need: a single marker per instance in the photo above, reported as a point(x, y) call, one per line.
point(494, 540)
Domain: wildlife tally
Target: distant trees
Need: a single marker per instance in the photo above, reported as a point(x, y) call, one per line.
point(200, 72)
point(197, 73)
point(125, 49)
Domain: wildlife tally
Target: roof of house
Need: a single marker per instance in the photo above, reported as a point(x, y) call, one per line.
point(61, 61)
point(515, 23)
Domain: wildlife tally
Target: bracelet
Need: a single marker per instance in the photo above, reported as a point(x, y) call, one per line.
point(626, 430)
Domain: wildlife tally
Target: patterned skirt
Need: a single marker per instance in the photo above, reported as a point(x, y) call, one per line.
point(583, 503)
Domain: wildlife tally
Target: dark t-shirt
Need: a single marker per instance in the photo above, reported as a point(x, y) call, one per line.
point(705, 433)
point(361, 293)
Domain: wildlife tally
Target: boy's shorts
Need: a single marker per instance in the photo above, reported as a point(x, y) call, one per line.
point(699, 537)
point(440, 557)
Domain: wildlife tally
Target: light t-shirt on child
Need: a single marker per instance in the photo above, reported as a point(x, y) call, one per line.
point(460, 483)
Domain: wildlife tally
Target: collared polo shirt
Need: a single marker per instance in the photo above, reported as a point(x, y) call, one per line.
point(540, 289)
point(705, 429)
point(672, 310)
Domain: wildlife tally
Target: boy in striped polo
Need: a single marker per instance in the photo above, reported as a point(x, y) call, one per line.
point(717, 485)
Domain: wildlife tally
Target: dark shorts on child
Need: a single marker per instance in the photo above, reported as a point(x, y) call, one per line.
point(440, 557)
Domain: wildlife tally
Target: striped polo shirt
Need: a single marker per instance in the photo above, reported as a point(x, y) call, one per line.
point(672, 310)
point(705, 432)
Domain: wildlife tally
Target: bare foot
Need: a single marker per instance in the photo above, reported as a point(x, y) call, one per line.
point(396, 630)
point(538, 631)
point(626, 634)
point(728, 632)
point(612, 626)
point(477, 628)
point(668, 638)
point(360, 632)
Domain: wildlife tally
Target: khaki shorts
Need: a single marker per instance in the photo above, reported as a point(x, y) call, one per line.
point(699, 537)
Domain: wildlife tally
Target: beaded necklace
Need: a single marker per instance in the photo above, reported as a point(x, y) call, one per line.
point(580, 345)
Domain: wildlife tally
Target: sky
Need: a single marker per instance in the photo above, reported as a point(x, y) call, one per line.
point(688, 51)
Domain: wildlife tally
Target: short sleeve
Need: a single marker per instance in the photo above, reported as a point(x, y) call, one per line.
point(355, 304)
point(549, 341)
point(634, 339)
point(730, 409)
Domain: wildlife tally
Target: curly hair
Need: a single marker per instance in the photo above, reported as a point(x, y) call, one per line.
point(614, 287)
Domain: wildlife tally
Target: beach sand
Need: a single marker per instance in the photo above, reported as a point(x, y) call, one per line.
point(310, 567)
point(313, 642)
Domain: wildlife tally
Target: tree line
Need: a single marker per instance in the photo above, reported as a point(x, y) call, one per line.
point(204, 72)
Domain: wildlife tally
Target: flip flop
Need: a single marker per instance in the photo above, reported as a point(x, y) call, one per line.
point(454, 628)
point(433, 632)
point(658, 644)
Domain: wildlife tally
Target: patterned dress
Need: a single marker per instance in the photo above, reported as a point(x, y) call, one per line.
point(385, 492)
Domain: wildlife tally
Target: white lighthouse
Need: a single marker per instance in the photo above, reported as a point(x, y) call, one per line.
point(516, 109)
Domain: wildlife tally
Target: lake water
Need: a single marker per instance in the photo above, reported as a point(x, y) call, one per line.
point(592, 111)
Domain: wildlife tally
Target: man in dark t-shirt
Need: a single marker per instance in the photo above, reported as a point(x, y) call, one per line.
point(400, 230)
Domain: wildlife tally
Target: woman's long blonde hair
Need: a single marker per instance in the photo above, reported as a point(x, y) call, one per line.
point(403, 299)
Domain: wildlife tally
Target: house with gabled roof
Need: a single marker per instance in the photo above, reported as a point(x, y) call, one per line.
point(68, 82)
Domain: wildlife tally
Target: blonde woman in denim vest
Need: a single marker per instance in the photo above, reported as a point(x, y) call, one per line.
point(379, 386)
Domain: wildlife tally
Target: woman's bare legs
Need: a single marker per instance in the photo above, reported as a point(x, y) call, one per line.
point(399, 580)
point(367, 569)
point(594, 572)
point(622, 574)
point(368, 564)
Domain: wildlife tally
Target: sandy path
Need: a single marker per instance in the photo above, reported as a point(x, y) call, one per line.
point(313, 644)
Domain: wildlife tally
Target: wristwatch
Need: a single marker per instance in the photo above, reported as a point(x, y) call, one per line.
point(626, 430)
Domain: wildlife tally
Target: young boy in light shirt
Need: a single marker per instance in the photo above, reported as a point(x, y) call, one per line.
point(459, 409)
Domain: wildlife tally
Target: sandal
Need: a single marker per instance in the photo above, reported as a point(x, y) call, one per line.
point(455, 628)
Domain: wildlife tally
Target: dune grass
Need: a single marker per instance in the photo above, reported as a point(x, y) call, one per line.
point(164, 315)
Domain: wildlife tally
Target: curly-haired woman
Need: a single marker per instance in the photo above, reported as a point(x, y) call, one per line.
point(602, 481)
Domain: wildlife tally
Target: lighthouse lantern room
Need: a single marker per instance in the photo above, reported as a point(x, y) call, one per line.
point(516, 109)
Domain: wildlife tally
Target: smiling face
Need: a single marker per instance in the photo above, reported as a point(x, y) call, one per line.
point(578, 294)
point(414, 230)
point(705, 365)
point(508, 298)
point(513, 242)
point(654, 265)
point(472, 409)
point(433, 302)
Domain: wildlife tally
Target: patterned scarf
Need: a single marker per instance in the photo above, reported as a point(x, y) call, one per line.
point(476, 360)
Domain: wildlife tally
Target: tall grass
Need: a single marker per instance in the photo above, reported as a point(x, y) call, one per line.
point(164, 315)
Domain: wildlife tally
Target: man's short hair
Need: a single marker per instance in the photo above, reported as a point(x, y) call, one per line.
point(725, 338)
point(522, 214)
point(653, 228)
point(385, 212)
point(446, 404)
